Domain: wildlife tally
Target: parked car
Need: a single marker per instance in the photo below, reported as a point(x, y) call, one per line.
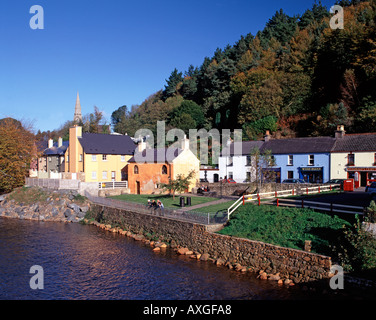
point(371, 189)
point(293, 181)
point(228, 180)
point(335, 181)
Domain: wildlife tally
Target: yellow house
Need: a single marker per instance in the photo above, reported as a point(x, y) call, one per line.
point(354, 157)
point(95, 157)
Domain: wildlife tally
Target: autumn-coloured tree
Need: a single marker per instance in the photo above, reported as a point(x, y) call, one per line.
point(17, 150)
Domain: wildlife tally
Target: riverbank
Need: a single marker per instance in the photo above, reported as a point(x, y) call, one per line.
point(44, 205)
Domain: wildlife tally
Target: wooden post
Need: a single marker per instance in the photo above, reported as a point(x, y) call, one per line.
point(259, 200)
point(293, 191)
point(277, 202)
point(307, 190)
point(243, 200)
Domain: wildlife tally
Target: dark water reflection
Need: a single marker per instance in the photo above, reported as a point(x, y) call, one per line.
point(83, 262)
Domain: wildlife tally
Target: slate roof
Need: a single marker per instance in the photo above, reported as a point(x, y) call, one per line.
point(55, 150)
point(97, 143)
point(356, 142)
point(300, 145)
point(161, 155)
point(241, 148)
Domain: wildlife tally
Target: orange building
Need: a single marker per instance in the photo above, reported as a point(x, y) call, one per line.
point(151, 167)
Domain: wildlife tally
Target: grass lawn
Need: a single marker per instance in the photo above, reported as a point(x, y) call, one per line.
point(287, 227)
point(167, 200)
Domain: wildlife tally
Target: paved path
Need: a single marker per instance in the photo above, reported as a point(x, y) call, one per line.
point(206, 204)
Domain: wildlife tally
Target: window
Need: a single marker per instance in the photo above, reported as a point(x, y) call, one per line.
point(67, 158)
point(164, 170)
point(135, 170)
point(374, 160)
point(80, 158)
point(290, 174)
point(104, 175)
point(350, 159)
point(49, 159)
point(230, 161)
point(93, 157)
point(290, 161)
point(231, 175)
point(311, 160)
point(122, 158)
point(104, 157)
point(249, 161)
point(94, 175)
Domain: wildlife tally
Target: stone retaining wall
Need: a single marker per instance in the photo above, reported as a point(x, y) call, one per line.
point(291, 264)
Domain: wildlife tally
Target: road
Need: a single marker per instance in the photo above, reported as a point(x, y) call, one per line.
point(356, 198)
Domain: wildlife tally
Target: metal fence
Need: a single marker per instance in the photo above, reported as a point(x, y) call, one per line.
point(219, 217)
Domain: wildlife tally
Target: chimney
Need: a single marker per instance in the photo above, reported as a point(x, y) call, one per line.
point(267, 136)
point(185, 143)
point(340, 133)
point(60, 142)
point(141, 144)
point(50, 143)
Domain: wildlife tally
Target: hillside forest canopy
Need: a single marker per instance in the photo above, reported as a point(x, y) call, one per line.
point(296, 77)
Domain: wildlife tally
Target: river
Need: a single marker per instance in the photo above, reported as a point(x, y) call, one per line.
point(85, 262)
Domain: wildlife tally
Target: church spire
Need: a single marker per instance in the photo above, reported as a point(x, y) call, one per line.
point(77, 111)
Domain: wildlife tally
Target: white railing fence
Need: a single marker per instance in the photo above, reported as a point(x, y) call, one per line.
point(113, 184)
point(280, 194)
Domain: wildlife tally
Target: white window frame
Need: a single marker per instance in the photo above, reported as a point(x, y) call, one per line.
point(104, 175)
point(290, 160)
point(311, 160)
point(94, 157)
point(104, 157)
point(93, 175)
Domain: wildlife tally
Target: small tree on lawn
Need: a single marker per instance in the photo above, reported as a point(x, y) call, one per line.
point(178, 185)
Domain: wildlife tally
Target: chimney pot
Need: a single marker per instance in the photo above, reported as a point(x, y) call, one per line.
point(60, 143)
point(340, 133)
point(267, 136)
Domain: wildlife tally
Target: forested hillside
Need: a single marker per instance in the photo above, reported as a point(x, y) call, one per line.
point(296, 77)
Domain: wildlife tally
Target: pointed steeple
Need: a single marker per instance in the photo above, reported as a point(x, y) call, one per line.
point(77, 111)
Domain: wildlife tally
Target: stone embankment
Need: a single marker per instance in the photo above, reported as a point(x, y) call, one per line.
point(158, 245)
point(58, 206)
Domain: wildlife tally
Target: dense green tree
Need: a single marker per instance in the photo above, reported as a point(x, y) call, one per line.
point(172, 82)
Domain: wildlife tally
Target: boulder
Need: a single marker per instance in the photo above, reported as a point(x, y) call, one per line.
point(182, 251)
point(220, 262)
point(274, 277)
point(74, 207)
point(67, 213)
point(204, 257)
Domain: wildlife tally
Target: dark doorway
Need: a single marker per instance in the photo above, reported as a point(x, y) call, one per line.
point(363, 179)
point(138, 187)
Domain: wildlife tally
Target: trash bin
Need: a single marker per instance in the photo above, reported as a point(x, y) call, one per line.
point(189, 199)
point(348, 185)
point(182, 201)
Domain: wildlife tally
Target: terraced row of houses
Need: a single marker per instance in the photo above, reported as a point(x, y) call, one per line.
point(312, 159)
point(105, 158)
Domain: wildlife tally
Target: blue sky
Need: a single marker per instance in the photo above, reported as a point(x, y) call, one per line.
point(113, 52)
